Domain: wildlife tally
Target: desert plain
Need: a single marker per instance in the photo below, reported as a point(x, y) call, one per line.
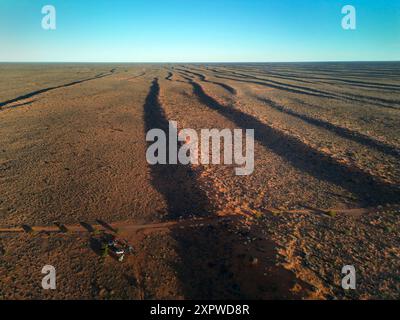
point(325, 191)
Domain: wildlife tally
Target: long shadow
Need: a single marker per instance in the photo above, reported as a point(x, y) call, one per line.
point(340, 131)
point(328, 80)
point(353, 97)
point(274, 86)
point(19, 105)
point(204, 263)
point(179, 186)
point(368, 190)
point(169, 76)
point(177, 183)
point(185, 76)
point(203, 78)
point(384, 103)
point(34, 93)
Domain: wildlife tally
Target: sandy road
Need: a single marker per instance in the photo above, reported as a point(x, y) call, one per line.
point(122, 226)
point(128, 227)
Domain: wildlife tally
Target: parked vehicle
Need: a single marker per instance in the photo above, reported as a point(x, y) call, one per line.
point(117, 248)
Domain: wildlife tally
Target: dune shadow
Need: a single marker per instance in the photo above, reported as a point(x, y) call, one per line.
point(34, 93)
point(368, 190)
point(331, 80)
point(271, 84)
point(375, 101)
point(203, 78)
point(340, 131)
point(177, 183)
point(180, 188)
point(169, 76)
point(18, 105)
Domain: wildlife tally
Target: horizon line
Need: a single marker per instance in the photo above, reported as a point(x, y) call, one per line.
point(204, 62)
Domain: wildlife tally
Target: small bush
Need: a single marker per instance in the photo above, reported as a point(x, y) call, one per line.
point(258, 215)
point(332, 213)
point(104, 251)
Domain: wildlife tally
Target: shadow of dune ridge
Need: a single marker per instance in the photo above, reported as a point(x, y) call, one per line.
point(266, 83)
point(330, 78)
point(340, 131)
point(379, 102)
point(368, 190)
point(202, 77)
point(176, 182)
point(169, 76)
point(18, 105)
point(206, 264)
point(34, 93)
point(333, 81)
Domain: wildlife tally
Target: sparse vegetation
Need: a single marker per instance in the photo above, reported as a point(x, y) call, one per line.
point(332, 213)
point(104, 250)
point(326, 136)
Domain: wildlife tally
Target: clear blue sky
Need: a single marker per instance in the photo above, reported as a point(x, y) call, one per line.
point(199, 31)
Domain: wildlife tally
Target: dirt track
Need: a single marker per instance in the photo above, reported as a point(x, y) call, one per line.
point(73, 150)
